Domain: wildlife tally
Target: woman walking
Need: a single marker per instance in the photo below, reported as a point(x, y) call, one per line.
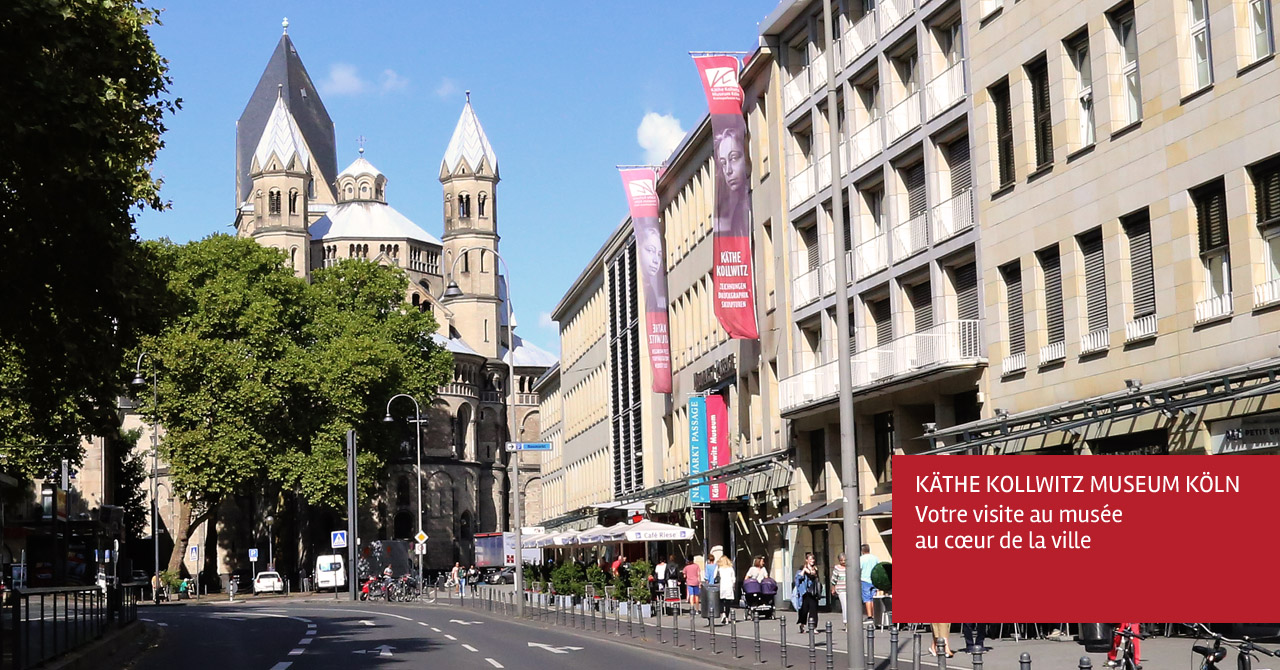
point(838, 578)
point(805, 586)
point(728, 581)
point(692, 580)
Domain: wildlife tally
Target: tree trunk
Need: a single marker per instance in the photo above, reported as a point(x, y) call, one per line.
point(188, 521)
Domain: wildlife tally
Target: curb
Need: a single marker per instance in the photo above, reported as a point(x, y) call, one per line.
point(128, 642)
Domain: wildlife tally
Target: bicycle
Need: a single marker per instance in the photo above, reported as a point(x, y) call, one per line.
point(1125, 657)
point(1245, 648)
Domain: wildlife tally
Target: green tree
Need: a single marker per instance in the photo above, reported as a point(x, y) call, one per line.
point(130, 483)
point(82, 105)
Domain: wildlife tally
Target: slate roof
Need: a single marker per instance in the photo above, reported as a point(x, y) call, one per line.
point(469, 142)
point(529, 355)
point(372, 219)
point(281, 137)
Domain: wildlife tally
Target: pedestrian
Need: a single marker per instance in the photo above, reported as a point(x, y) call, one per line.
point(804, 589)
point(728, 581)
point(473, 578)
point(658, 579)
point(757, 571)
point(455, 578)
point(183, 589)
point(838, 578)
point(974, 637)
point(1112, 656)
point(616, 568)
point(941, 631)
point(692, 580)
point(622, 568)
point(866, 563)
point(155, 588)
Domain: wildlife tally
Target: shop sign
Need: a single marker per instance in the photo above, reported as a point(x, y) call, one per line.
point(725, 368)
point(1245, 434)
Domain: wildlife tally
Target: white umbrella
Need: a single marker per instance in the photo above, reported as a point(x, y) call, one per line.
point(652, 531)
point(601, 535)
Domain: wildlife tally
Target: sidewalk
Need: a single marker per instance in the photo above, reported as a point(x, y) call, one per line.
point(1003, 653)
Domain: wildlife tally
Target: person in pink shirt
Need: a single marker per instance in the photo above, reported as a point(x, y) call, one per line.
point(692, 580)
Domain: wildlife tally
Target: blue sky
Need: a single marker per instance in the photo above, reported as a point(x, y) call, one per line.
point(561, 89)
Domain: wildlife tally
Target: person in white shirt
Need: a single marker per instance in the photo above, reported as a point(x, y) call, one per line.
point(757, 571)
point(728, 580)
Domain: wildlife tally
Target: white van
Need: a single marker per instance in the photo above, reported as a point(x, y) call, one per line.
point(331, 572)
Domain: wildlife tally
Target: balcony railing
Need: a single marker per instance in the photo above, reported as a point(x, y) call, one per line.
point(953, 216)
point(910, 237)
point(459, 389)
point(1053, 352)
point(1013, 364)
point(859, 37)
point(828, 277)
point(1095, 341)
point(1213, 308)
point(795, 91)
point(893, 12)
point(1266, 293)
point(801, 187)
point(950, 343)
point(904, 117)
point(806, 288)
point(945, 90)
point(871, 256)
point(824, 171)
point(491, 396)
point(818, 72)
point(1140, 328)
point(866, 143)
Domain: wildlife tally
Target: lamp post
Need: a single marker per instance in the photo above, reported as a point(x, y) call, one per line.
point(139, 382)
point(271, 554)
point(418, 423)
point(454, 292)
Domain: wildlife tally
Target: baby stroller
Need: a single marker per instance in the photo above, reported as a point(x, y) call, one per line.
point(758, 596)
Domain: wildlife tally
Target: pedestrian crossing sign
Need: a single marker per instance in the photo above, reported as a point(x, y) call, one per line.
point(338, 539)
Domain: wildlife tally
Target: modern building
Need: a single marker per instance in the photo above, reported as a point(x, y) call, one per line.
point(1127, 175)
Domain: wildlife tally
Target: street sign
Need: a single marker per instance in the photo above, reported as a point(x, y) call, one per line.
point(194, 554)
point(420, 537)
point(253, 555)
point(338, 539)
point(528, 446)
point(420, 548)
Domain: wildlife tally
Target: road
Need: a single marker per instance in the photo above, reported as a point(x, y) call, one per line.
point(314, 635)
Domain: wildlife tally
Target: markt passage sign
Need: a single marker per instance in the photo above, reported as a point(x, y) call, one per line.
point(1077, 538)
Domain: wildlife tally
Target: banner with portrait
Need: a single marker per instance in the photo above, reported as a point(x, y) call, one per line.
point(642, 197)
point(734, 295)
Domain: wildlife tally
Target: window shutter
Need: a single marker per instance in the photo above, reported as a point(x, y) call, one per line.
point(1004, 132)
point(1138, 230)
point(1051, 266)
point(1013, 291)
point(961, 175)
point(853, 336)
point(810, 237)
point(1095, 280)
point(884, 322)
point(1039, 75)
point(966, 277)
point(1266, 179)
point(922, 305)
point(1211, 214)
point(916, 202)
point(847, 224)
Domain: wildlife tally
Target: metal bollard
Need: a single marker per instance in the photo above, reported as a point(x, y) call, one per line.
point(813, 650)
point(976, 657)
point(733, 636)
point(756, 621)
point(644, 633)
point(940, 644)
point(1024, 661)
point(712, 625)
point(659, 613)
point(675, 626)
point(693, 633)
point(593, 617)
point(617, 619)
point(831, 652)
point(893, 645)
point(1085, 663)
point(782, 633)
point(631, 615)
point(869, 652)
point(915, 651)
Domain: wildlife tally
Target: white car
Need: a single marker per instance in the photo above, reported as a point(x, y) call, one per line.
point(268, 582)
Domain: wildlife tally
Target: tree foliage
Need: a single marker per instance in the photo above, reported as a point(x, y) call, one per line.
point(82, 104)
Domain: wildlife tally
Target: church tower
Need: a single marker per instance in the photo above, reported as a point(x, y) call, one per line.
point(275, 211)
point(469, 175)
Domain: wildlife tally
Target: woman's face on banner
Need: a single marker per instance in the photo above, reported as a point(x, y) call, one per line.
point(652, 247)
point(732, 161)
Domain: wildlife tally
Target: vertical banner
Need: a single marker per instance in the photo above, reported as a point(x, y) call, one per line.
point(698, 447)
point(735, 304)
point(718, 450)
point(642, 197)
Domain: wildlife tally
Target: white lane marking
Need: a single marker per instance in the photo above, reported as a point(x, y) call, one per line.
point(460, 622)
point(306, 640)
point(422, 623)
point(384, 650)
point(554, 649)
point(296, 652)
point(146, 620)
point(469, 647)
point(311, 631)
point(282, 665)
point(162, 624)
point(490, 660)
point(451, 637)
point(366, 622)
point(435, 630)
point(310, 625)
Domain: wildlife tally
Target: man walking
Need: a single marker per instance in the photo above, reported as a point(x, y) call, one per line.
point(866, 564)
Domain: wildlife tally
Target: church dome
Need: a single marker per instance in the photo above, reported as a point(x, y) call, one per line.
point(362, 219)
point(361, 181)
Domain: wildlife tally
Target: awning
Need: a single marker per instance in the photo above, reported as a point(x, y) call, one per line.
point(883, 509)
point(791, 516)
point(822, 513)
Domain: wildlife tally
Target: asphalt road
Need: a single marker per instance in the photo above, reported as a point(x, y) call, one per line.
point(311, 635)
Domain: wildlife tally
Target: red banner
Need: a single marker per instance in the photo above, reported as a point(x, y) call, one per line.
point(642, 197)
point(1085, 538)
point(734, 300)
point(718, 451)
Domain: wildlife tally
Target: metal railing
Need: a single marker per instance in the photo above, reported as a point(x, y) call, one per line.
point(806, 288)
point(801, 187)
point(893, 12)
point(1095, 341)
point(459, 388)
point(41, 624)
point(795, 91)
point(1013, 364)
point(1266, 293)
point(866, 143)
point(953, 216)
point(945, 90)
point(871, 256)
point(1213, 308)
point(904, 117)
point(860, 37)
point(1140, 328)
point(1053, 352)
point(910, 237)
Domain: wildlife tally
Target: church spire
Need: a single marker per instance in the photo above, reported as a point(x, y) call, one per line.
point(469, 144)
point(282, 139)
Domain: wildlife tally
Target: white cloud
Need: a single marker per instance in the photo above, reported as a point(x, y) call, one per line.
point(447, 88)
point(659, 135)
point(392, 81)
point(545, 321)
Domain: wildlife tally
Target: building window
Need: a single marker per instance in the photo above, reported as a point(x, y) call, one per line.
point(481, 202)
point(1211, 220)
point(1266, 183)
point(273, 201)
point(464, 206)
point(1260, 28)
point(965, 279)
point(1127, 36)
point(1095, 280)
point(1004, 132)
point(1012, 276)
point(883, 424)
point(1078, 51)
point(1198, 23)
point(293, 201)
point(1137, 228)
point(1051, 271)
point(1038, 76)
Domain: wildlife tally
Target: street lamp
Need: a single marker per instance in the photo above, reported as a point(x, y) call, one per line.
point(271, 554)
point(453, 291)
point(139, 382)
point(418, 423)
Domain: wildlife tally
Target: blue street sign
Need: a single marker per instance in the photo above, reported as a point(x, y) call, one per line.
point(253, 555)
point(338, 539)
point(528, 446)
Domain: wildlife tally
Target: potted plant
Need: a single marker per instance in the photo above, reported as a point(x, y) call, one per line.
point(638, 579)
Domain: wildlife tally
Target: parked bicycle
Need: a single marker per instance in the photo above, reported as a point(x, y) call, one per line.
point(1212, 655)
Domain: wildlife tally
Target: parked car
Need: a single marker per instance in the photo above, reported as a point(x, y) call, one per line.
point(503, 576)
point(268, 582)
